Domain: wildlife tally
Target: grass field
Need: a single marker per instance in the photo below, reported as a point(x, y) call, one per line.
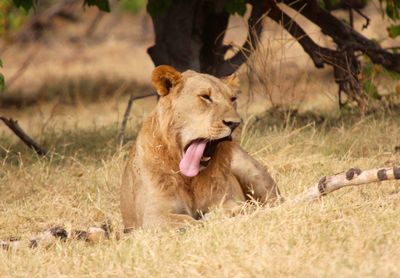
point(353, 232)
point(71, 96)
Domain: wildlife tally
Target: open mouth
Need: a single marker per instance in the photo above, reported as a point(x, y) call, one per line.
point(199, 153)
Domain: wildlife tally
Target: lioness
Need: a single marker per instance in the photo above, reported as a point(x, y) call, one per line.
point(184, 162)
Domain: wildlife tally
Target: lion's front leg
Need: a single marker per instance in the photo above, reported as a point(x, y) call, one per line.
point(168, 209)
point(169, 221)
point(254, 179)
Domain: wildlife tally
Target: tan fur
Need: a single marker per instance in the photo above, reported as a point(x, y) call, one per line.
point(154, 193)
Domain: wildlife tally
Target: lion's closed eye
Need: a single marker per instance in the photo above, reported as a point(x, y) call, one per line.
point(206, 97)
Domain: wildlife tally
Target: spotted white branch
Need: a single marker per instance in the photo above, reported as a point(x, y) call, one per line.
point(50, 236)
point(353, 176)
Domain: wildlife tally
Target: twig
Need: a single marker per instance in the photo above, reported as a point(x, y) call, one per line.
point(351, 18)
point(121, 134)
point(367, 19)
point(93, 25)
point(25, 65)
point(15, 127)
point(96, 20)
point(353, 176)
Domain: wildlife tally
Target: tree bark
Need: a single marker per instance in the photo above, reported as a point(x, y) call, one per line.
point(190, 34)
point(178, 35)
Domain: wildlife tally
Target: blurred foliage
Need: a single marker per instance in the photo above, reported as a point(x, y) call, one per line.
point(392, 8)
point(103, 5)
point(132, 6)
point(236, 7)
point(392, 11)
point(368, 76)
point(373, 76)
point(158, 7)
point(394, 30)
point(26, 4)
point(11, 17)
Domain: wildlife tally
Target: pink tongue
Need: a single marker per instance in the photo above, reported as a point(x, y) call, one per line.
point(190, 163)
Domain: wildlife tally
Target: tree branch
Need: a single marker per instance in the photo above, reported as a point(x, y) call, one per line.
point(24, 66)
point(345, 65)
point(15, 127)
point(212, 33)
point(343, 35)
point(121, 134)
point(353, 176)
point(367, 19)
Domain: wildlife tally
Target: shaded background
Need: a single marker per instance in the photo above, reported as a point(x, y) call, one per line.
point(81, 70)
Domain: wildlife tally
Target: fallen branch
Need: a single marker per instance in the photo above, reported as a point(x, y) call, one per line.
point(15, 127)
point(353, 176)
point(53, 235)
point(121, 134)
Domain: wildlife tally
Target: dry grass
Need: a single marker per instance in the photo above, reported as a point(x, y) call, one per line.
point(352, 232)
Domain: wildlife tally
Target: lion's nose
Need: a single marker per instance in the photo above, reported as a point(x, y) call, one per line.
point(232, 125)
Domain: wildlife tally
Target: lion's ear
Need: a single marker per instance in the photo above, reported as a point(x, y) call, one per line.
point(164, 78)
point(232, 81)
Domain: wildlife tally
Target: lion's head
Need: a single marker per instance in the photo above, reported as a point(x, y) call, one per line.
point(202, 109)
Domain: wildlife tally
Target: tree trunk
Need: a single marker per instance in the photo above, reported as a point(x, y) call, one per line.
point(188, 34)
